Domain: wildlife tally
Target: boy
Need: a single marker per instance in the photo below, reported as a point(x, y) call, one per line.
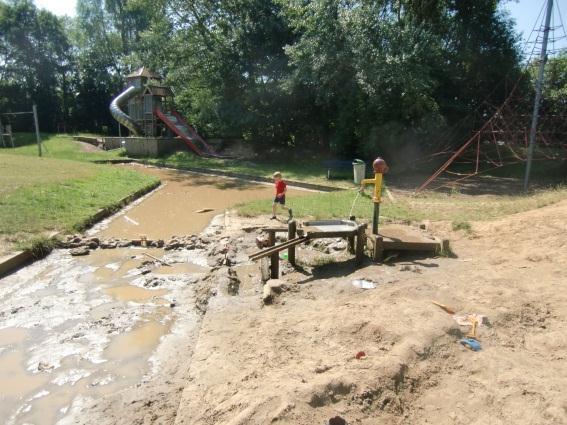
point(281, 189)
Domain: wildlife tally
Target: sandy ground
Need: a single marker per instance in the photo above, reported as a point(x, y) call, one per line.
point(293, 362)
point(230, 359)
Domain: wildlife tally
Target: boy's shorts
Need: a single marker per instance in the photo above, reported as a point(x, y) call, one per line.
point(279, 200)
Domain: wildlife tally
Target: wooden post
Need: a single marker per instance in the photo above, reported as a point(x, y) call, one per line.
point(274, 258)
point(360, 241)
point(37, 136)
point(351, 240)
point(291, 233)
point(377, 248)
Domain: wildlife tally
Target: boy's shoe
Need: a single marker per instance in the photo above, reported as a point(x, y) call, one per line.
point(273, 218)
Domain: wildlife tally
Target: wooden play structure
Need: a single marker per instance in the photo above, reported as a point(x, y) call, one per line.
point(393, 238)
point(6, 135)
point(151, 115)
point(311, 230)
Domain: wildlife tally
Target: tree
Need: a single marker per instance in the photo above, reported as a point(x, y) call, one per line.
point(34, 62)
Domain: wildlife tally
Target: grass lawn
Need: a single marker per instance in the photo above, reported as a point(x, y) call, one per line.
point(38, 195)
point(63, 147)
point(57, 146)
point(433, 206)
point(308, 170)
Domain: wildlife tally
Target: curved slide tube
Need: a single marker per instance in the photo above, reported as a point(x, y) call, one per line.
point(119, 115)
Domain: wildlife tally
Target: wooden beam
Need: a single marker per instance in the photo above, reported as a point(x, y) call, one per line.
point(274, 258)
point(291, 233)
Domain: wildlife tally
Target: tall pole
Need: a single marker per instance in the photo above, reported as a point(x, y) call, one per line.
point(37, 137)
point(539, 86)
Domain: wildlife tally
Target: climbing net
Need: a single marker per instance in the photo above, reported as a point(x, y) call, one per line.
point(502, 139)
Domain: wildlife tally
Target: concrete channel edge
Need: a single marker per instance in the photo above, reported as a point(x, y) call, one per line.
point(217, 172)
point(11, 263)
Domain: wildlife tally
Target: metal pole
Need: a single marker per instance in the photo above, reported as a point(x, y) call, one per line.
point(539, 84)
point(375, 218)
point(37, 137)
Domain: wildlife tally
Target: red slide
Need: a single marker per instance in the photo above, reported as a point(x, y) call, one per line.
point(177, 124)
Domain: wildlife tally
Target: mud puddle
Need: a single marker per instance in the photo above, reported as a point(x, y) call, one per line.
point(79, 328)
point(172, 210)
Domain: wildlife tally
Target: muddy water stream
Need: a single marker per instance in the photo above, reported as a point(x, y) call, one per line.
point(81, 327)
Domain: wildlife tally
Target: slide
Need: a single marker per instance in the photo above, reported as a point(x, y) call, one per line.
point(119, 115)
point(177, 124)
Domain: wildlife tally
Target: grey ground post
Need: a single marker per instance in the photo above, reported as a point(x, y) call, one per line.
point(37, 136)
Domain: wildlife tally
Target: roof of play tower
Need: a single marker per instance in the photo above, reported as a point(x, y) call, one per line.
point(144, 72)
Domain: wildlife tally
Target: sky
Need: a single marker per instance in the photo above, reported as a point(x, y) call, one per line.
point(58, 7)
point(525, 13)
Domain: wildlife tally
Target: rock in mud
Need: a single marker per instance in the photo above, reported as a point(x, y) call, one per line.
point(92, 245)
point(339, 245)
point(44, 366)
point(153, 282)
point(108, 244)
point(172, 244)
point(145, 270)
point(272, 289)
point(83, 250)
point(227, 279)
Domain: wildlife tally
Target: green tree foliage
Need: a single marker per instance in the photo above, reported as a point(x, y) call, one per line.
point(555, 86)
point(34, 62)
point(347, 76)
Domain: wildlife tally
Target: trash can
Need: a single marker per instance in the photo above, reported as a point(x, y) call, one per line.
point(359, 170)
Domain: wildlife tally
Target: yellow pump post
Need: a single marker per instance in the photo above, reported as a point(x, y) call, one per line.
point(380, 168)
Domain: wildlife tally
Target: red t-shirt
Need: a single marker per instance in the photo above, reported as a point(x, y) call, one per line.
point(280, 187)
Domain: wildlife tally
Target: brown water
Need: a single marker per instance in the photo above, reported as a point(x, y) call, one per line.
point(172, 209)
point(133, 293)
point(136, 342)
point(85, 327)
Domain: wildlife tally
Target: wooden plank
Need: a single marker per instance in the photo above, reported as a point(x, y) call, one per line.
point(389, 244)
point(326, 235)
point(276, 248)
point(274, 229)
